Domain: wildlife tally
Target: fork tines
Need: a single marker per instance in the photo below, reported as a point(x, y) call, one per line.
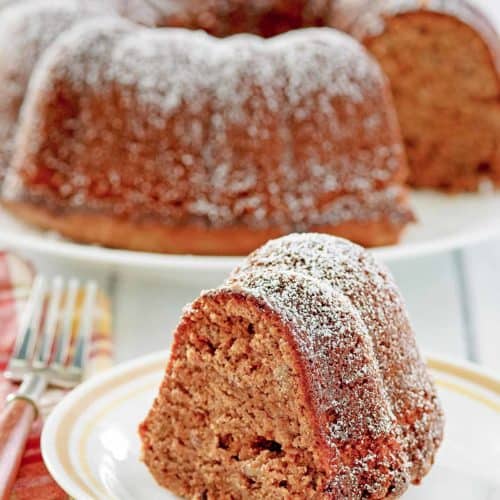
point(55, 331)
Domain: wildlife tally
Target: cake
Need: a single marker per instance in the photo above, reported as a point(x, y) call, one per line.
point(322, 153)
point(443, 60)
point(228, 17)
point(175, 141)
point(27, 29)
point(16, 71)
point(299, 377)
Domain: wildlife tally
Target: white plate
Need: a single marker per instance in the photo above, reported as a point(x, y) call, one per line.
point(91, 446)
point(445, 222)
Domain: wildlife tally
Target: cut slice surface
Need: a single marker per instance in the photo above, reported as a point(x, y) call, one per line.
point(229, 417)
point(446, 87)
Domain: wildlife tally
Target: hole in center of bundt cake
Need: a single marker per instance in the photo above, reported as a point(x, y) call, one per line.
point(484, 167)
point(231, 17)
point(233, 412)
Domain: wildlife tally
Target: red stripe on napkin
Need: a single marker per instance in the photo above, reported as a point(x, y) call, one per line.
point(8, 315)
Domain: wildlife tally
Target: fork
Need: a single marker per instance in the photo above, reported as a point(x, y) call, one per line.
point(43, 356)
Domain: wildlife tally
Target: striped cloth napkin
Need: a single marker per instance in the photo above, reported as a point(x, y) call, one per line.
point(16, 276)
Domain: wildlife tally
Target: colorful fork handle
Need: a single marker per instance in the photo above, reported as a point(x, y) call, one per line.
point(15, 424)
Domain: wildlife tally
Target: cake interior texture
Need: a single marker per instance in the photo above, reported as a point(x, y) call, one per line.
point(235, 421)
point(236, 383)
point(447, 94)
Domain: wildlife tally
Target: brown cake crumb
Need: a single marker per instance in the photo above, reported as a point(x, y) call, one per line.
point(442, 58)
point(298, 378)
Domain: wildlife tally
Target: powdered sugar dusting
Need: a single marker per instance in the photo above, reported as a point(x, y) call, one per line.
point(27, 29)
point(323, 319)
point(190, 110)
point(337, 299)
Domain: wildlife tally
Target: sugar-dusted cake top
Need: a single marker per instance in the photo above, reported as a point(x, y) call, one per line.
point(311, 327)
point(195, 106)
point(333, 292)
point(193, 62)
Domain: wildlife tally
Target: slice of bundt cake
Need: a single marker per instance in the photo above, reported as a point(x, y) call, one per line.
point(298, 378)
point(172, 140)
point(443, 60)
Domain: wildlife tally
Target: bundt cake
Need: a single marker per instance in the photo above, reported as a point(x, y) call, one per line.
point(297, 378)
point(173, 140)
point(18, 30)
point(443, 61)
point(27, 29)
point(129, 160)
point(30, 26)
